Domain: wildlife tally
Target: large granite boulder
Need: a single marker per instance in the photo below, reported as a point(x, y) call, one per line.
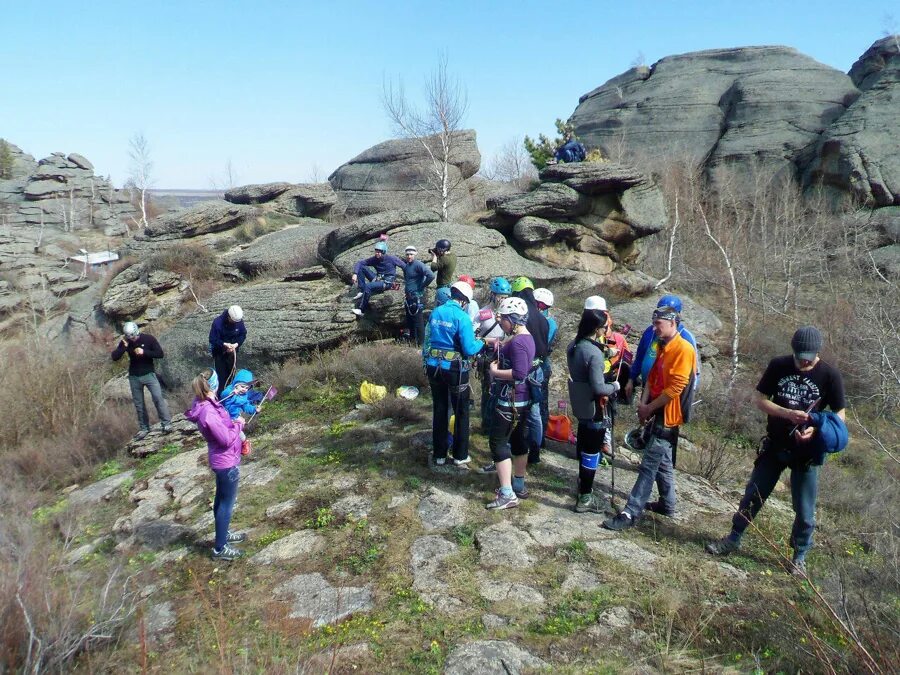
point(204, 218)
point(858, 153)
point(399, 174)
point(721, 108)
point(283, 319)
point(290, 248)
point(304, 199)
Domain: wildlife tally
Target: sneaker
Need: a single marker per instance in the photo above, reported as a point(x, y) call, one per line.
point(798, 568)
point(227, 553)
point(166, 427)
point(462, 463)
point(440, 462)
point(357, 311)
point(723, 546)
point(488, 468)
point(522, 494)
point(358, 296)
point(141, 435)
point(621, 521)
point(501, 502)
point(588, 504)
point(660, 508)
point(235, 537)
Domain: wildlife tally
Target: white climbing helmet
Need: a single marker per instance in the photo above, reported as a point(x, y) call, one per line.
point(513, 305)
point(235, 313)
point(544, 295)
point(595, 302)
point(463, 288)
point(131, 329)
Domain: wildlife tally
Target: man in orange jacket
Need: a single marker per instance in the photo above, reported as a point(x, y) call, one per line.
point(665, 406)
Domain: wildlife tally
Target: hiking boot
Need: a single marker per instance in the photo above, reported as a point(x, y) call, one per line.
point(660, 508)
point(462, 464)
point(166, 427)
point(621, 521)
point(141, 435)
point(235, 537)
point(227, 553)
point(723, 546)
point(488, 468)
point(588, 504)
point(798, 568)
point(501, 502)
point(522, 494)
point(357, 311)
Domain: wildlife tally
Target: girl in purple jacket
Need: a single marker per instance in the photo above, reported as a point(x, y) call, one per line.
point(223, 441)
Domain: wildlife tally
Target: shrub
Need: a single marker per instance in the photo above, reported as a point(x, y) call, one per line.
point(197, 263)
point(544, 149)
point(6, 160)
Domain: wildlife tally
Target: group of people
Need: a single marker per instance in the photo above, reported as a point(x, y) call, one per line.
point(508, 344)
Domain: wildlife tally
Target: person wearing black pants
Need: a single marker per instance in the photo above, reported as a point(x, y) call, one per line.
point(226, 335)
point(450, 392)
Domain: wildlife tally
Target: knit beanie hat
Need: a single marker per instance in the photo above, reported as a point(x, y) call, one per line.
point(806, 343)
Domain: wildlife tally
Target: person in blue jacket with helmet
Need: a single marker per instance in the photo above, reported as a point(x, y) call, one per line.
point(450, 345)
point(375, 275)
point(645, 356)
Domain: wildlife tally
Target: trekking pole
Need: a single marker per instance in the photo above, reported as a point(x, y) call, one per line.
point(612, 445)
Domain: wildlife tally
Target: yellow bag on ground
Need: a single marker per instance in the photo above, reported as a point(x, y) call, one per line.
point(452, 425)
point(370, 393)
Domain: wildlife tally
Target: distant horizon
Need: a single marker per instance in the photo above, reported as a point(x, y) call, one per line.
point(289, 93)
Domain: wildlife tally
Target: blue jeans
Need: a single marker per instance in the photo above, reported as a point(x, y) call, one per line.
point(137, 383)
point(545, 401)
point(223, 504)
point(369, 286)
point(804, 490)
point(656, 466)
point(535, 433)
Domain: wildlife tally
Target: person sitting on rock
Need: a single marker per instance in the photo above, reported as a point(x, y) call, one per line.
point(416, 277)
point(374, 275)
point(226, 335)
point(223, 443)
point(239, 397)
point(142, 349)
point(443, 262)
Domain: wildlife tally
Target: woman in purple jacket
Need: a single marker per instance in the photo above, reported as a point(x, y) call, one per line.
point(223, 441)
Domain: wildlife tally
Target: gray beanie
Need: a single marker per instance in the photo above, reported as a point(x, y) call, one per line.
point(806, 343)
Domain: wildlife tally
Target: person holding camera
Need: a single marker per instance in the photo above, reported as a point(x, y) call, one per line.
point(443, 263)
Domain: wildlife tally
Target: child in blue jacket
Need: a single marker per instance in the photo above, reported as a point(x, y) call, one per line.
point(239, 397)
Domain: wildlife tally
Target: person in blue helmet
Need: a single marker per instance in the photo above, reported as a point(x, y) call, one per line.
point(239, 397)
point(645, 356)
point(489, 328)
point(375, 275)
point(452, 343)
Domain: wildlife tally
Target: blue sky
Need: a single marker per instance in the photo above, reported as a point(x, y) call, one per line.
point(290, 90)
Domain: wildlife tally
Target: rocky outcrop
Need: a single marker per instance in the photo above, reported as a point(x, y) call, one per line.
point(205, 218)
point(62, 193)
point(585, 217)
point(283, 319)
point(399, 174)
point(305, 200)
point(289, 248)
point(858, 154)
point(744, 109)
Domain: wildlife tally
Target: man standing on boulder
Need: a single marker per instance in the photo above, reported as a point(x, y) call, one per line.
point(443, 262)
point(416, 277)
point(142, 349)
point(226, 335)
point(790, 388)
point(665, 405)
point(375, 275)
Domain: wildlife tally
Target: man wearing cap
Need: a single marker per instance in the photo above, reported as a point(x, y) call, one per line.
point(791, 387)
point(142, 348)
point(648, 347)
point(374, 274)
point(665, 406)
point(226, 335)
point(443, 261)
point(416, 277)
point(451, 344)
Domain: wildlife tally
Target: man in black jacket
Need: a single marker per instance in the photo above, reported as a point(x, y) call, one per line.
point(142, 349)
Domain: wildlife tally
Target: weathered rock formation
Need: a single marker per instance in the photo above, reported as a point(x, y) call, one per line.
point(312, 200)
point(400, 174)
point(291, 248)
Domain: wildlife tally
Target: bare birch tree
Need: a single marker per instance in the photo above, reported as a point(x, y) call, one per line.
point(434, 127)
point(512, 164)
point(140, 174)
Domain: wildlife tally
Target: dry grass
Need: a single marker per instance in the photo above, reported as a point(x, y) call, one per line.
point(198, 263)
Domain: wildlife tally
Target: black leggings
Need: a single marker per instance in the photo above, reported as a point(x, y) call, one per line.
point(508, 439)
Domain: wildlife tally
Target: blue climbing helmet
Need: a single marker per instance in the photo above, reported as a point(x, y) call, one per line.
point(381, 246)
point(672, 301)
point(500, 286)
point(442, 295)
